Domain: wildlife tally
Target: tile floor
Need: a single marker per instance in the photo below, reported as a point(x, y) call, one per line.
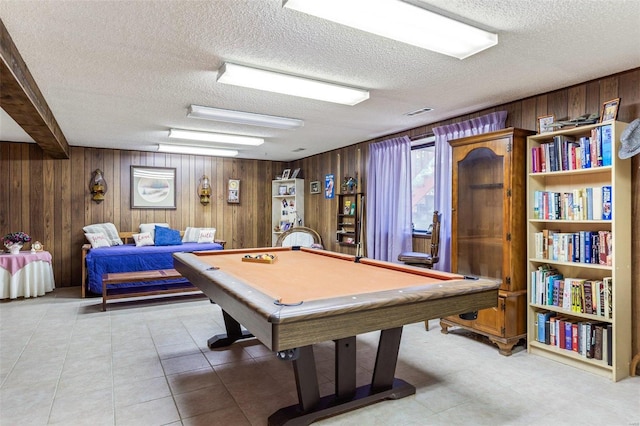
point(64, 362)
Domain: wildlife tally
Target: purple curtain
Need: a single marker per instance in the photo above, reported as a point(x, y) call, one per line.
point(475, 126)
point(388, 222)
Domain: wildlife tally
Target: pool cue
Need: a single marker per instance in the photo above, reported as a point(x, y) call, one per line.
point(359, 250)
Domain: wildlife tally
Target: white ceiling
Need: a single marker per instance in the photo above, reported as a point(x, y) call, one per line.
point(119, 74)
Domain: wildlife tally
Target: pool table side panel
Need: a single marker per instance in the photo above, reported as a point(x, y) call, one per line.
point(315, 330)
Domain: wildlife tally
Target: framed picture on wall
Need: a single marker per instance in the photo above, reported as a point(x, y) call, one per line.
point(234, 191)
point(544, 123)
point(610, 110)
point(153, 187)
point(314, 187)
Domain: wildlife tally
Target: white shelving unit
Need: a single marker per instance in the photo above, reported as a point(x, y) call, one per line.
point(618, 176)
point(287, 206)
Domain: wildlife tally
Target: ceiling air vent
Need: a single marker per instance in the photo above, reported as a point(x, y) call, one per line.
point(418, 111)
point(298, 149)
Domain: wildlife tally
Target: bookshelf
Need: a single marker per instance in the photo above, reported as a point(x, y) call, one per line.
point(579, 249)
point(287, 206)
point(349, 219)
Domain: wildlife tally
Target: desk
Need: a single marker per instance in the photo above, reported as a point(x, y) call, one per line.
point(25, 275)
point(310, 296)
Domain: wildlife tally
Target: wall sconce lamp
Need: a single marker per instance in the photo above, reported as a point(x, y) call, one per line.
point(98, 186)
point(204, 190)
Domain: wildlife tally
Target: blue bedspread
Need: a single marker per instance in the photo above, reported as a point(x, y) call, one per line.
point(129, 258)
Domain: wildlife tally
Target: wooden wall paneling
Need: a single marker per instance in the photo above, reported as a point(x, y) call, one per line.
point(79, 198)
point(112, 164)
point(541, 106)
point(64, 227)
point(576, 98)
point(34, 192)
point(205, 212)
point(52, 240)
point(5, 165)
point(25, 187)
point(635, 251)
point(629, 89)
point(123, 192)
point(629, 86)
point(592, 97)
point(608, 89)
point(529, 116)
point(15, 189)
point(219, 200)
point(557, 104)
point(514, 114)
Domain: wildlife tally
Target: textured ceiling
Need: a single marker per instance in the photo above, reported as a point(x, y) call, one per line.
point(120, 74)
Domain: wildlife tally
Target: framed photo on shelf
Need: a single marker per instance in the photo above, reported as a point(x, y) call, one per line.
point(285, 174)
point(234, 191)
point(282, 190)
point(295, 173)
point(610, 110)
point(153, 187)
point(544, 123)
point(314, 187)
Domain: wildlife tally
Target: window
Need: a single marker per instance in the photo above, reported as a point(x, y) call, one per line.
point(423, 153)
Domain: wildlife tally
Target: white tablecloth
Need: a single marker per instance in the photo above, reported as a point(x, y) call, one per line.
point(33, 279)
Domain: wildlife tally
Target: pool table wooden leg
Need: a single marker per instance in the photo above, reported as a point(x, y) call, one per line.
point(234, 332)
point(312, 407)
point(386, 359)
point(304, 368)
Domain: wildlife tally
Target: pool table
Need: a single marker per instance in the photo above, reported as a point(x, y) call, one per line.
point(304, 296)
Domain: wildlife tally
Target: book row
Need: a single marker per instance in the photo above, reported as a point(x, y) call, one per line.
point(567, 153)
point(593, 247)
point(592, 203)
point(580, 295)
point(589, 339)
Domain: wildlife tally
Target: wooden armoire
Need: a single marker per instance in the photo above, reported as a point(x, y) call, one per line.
point(488, 230)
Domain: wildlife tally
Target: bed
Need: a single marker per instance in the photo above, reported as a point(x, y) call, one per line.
point(129, 258)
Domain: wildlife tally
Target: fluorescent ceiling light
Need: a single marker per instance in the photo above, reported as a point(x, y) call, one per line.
point(214, 137)
point(403, 22)
point(240, 117)
point(197, 150)
point(239, 75)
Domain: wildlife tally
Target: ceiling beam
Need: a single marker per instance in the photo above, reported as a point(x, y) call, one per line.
point(23, 101)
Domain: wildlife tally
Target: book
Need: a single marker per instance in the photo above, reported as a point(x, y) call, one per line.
point(609, 344)
point(598, 340)
point(608, 288)
point(596, 202)
point(607, 206)
point(568, 335)
point(607, 143)
point(574, 337)
point(543, 326)
point(347, 207)
point(560, 334)
point(587, 297)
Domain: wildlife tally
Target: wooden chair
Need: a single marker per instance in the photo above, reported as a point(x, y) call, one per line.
point(425, 260)
point(299, 236)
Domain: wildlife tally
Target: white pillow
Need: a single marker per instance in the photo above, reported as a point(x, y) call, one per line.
point(143, 239)
point(192, 235)
point(97, 239)
point(151, 228)
point(108, 229)
point(206, 235)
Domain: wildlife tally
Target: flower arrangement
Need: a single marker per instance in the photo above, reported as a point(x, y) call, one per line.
point(15, 238)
